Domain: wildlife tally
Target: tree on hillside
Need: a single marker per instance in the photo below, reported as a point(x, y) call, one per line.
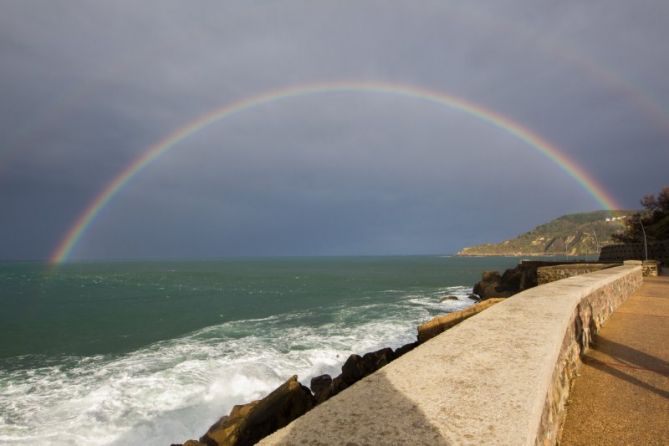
point(654, 217)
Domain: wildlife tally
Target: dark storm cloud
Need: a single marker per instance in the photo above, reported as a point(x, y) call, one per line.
point(86, 86)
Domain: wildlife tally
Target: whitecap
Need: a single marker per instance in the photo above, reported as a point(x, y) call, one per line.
point(175, 389)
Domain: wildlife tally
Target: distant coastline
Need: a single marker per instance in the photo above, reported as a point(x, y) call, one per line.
point(524, 254)
point(572, 235)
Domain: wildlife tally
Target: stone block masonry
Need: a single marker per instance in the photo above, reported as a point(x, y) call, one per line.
point(621, 394)
point(651, 268)
point(635, 251)
point(547, 274)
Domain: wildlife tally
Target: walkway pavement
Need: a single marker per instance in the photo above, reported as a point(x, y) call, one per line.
point(621, 396)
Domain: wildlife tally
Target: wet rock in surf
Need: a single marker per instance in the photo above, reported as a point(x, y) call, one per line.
point(514, 280)
point(405, 349)
point(489, 284)
point(356, 367)
point(249, 423)
point(337, 386)
point(447, 298)
point(322, 387)
point(379, 358)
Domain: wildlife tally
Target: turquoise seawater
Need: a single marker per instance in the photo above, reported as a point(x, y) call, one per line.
point(154, 352)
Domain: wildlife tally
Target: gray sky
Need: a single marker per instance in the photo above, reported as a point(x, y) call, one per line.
point(87, 86)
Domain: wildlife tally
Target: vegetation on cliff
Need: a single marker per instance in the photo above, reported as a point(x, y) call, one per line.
point(574, 234)
point(654, 217)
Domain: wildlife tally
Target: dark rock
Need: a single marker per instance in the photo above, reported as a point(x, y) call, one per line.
point(514, 280)
point(248, 423)
point(376, 360)
point(338, 385)
point(446, 298)
point(474, 297)
point(488, 285)
point(352, 370)
point(491, 276)
point(322, 387)
point(405, 349)
point(357, 367)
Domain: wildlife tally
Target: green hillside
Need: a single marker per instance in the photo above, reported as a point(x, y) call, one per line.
point(573, 234)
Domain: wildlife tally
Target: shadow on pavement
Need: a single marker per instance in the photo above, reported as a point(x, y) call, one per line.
point(367, 413)
point(631, 355)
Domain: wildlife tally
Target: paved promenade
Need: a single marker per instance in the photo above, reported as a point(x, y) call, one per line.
point(621, 396)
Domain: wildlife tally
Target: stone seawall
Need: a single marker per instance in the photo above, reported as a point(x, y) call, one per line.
point(636, 251)
point(501, 377)
point(593, 310)
point(547, 274)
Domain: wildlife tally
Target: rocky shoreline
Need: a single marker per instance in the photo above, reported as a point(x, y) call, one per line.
point(246, 424)
point(530, 273)
point(581, 234)
point(249, 423)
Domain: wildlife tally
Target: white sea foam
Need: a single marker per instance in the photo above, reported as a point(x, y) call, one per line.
point(173, 390)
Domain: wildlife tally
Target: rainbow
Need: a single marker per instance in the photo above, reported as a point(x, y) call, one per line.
point(641, 99)
point(86, 218)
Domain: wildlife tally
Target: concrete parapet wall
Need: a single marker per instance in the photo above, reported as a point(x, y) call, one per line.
point(439, 324)
point(501, 377)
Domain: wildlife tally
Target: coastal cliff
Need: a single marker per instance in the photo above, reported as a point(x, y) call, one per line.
point(573, 234)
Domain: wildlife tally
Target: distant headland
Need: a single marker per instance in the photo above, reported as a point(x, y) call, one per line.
point(579, 234)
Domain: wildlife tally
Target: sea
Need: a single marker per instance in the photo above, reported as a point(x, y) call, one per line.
point(154, 352)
